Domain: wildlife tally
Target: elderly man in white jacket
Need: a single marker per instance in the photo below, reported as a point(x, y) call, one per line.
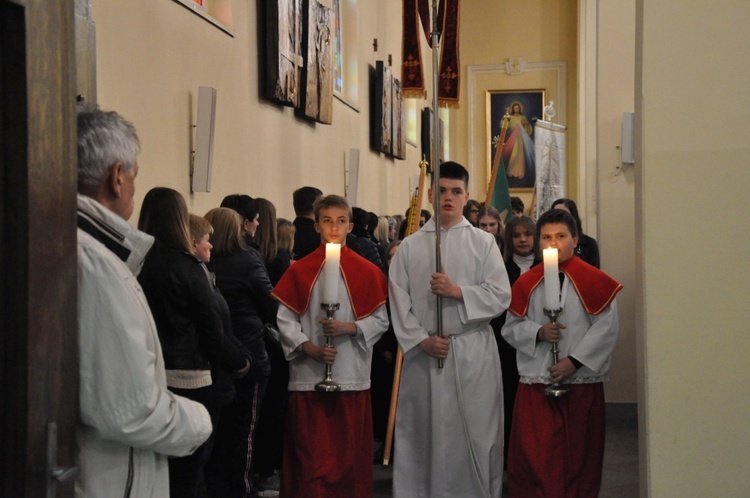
point(129, 423)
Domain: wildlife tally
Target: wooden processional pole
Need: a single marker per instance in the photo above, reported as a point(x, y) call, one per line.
point(412, 225)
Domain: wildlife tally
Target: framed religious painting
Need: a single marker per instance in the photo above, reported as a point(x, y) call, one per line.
point(284, 58)
point(511, 115)
point(381, 128)
point(317, 83)
point(399, 121)
point(427, 137)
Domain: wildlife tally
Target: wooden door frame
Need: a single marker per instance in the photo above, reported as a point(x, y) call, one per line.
point(38, 300)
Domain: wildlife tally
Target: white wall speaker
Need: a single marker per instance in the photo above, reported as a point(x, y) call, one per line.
point(353, 178)
point(204, 139)
point(628, 143)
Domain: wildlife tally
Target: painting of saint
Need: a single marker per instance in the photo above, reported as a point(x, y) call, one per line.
point(517, 152)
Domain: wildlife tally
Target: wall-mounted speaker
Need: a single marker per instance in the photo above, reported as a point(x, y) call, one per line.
point(628, 143)
point(204, 139)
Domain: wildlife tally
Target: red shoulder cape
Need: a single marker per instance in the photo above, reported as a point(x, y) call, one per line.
point(365, 282)
point(595, 288)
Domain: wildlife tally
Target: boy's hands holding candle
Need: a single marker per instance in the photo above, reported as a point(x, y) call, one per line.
point(550, 332)
point(335, 328)
point(321, 354)
point(562, 370)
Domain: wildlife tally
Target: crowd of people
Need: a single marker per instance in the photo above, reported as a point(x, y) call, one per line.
point(203, 337)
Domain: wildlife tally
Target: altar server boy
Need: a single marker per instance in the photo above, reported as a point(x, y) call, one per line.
point(449, 423)
point(328, 444)
point(557, 444)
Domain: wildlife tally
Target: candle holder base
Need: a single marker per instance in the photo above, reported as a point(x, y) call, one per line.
point(556, 390)
point(327, 385)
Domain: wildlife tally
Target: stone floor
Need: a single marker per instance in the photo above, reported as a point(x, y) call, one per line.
point(620, 473)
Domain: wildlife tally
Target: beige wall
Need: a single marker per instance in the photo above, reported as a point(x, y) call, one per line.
point(615, 193)
point(692, 201)
point(153, 55)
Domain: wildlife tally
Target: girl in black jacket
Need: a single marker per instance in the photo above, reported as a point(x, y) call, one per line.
point(187, 319)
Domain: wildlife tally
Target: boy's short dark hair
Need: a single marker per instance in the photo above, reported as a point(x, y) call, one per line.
point(329, 201)
point(303, 199)
point(516, 204)
point(454, 171)
point(556, 216)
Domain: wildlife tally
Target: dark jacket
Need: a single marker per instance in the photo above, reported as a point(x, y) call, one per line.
point(277, 266)
point(306, 238)
point(185, 311)
point(366, 247)
point(222, 378)
point(243, 281)
point(588, 250)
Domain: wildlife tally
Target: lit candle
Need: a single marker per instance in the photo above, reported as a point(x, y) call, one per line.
point(551, 280)
point(331, 274)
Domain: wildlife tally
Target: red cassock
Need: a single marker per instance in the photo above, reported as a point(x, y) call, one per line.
point(328, 442)
point(557, 444)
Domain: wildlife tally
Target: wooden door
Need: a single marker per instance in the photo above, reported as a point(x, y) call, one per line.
point(38, 342)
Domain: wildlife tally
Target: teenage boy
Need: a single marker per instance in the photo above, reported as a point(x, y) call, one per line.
point(449, 423)
point(328, 443)
point(557, 444)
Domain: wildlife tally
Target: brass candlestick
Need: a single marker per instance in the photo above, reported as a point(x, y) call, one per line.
point(327, 384)
point(555, 390)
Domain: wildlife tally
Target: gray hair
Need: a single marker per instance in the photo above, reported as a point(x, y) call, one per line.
point(104, 138)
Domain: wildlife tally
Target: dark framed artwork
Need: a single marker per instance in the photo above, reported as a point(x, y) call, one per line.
point(399, 121)
point(284, 60)
point(338, 56)
point(523, 108)
point(316, 97)
point(382, 109)
point(428, 137)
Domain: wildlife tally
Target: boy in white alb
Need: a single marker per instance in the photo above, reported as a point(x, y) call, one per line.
point(449, 422)
point(557, 443)
point(328, 443)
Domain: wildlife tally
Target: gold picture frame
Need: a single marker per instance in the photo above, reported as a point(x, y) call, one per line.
point(524, 108)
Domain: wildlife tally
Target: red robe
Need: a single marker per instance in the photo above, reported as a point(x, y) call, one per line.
point(556, 449)
point(365, 283)
point(328, 443)
point(595, 288)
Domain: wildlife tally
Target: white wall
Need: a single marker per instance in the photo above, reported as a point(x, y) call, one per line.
point(693, 153)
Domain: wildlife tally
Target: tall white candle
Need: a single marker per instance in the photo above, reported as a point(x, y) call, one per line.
point(551, 280)
point(331, 274)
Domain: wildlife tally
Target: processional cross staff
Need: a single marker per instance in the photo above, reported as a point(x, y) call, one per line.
point(436, 167)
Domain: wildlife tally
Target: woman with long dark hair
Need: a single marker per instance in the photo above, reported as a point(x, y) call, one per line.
point(243, 281)
point(190, 330)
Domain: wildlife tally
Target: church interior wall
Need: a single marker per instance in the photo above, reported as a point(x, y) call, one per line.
point(692, 157)
point(153, 56)
point(615, 200)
